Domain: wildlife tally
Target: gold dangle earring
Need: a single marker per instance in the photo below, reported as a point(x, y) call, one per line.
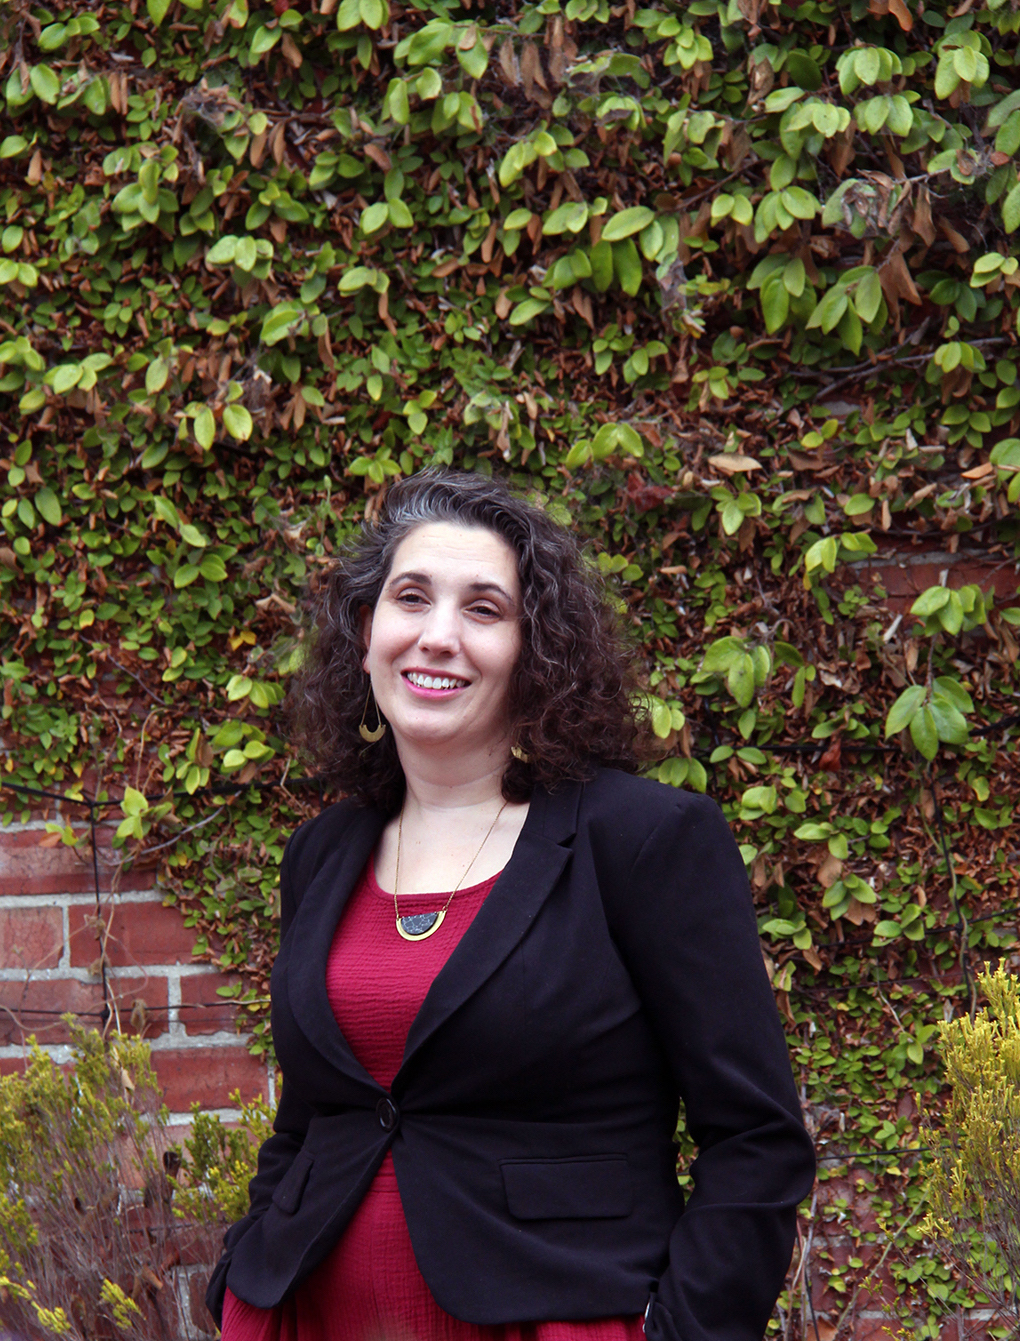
point(520, 755)
point(367, 733)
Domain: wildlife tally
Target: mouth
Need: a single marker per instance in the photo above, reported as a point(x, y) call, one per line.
point(433, 683)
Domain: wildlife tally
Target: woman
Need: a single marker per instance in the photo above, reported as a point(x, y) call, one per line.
point(504, 961)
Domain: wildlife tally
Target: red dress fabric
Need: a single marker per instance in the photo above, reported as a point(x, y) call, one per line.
point(369, 1288)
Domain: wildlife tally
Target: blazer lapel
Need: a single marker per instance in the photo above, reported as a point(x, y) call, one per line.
point(312, 934)
point(539, 857)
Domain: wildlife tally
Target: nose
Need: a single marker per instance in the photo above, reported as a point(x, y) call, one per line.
point(440, 632)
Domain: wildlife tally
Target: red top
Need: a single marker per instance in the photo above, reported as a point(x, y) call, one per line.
point(370, 1285)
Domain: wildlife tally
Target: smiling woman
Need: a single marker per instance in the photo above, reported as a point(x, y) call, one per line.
point(504, 961)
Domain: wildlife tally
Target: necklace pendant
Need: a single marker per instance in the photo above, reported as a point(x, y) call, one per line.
point(420, 926)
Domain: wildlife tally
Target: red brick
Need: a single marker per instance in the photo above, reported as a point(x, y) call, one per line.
point(877, 1329)
point(203, 1012)
point(200, 1245)
point(29, 1006)
point(904, 581)
point(139, 933)
point(28, 865)
point(31, 938)
point(208, 1076)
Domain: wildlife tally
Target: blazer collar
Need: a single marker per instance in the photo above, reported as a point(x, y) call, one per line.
point(539, 856)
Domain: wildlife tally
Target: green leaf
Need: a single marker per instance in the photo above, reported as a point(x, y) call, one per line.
point(191, 535)
point(868, 297)
point(740, 680)
point(950, 723)
point(157, 10)
point(186, 574)
point(212, 568)
point(205, 427)
point(238, 686)
point(45, 84)
point(627, 222)
point(903, 711)
point(662, 718)
point(813, 833)
point(245, 256)
point(924, 733)
point(954, 692)
point(775, 302)
point(224, 251)
point(1011, 210)
point(238, 422)
point(13, 145)
point(399, 106)
point(930, 601)
point(48, 506)
point(373, 218)
point(527, 311)
point(264, 40)
point(65, 377)
point(627, 265)
point(782, 98)
point(156, 376)
point(400, 215)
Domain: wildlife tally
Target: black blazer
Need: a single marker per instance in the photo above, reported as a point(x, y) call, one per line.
point(614, 969)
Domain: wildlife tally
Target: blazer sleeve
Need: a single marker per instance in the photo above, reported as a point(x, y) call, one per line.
point(290, 1126)
point(685, 926)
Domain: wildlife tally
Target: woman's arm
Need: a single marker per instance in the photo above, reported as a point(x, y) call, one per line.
point(685, 925)
point(290, 1126)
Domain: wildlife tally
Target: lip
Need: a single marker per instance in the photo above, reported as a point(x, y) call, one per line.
point(420, 692)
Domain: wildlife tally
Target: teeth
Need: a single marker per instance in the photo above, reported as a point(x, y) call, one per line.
point(434, 681)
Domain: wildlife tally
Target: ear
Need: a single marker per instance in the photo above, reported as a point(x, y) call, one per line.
point(366, 633)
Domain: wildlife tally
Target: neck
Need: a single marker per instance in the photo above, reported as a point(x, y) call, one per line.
point(444, 786)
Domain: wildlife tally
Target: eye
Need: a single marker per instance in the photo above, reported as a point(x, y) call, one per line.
point(486, 610)
point(410, 598)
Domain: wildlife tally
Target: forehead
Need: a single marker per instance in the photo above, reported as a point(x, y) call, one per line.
point(447, 550)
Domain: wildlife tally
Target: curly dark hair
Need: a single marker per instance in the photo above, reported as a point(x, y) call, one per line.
point(571, 691)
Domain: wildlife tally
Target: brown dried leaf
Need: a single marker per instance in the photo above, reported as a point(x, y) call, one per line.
point(508, 63)
point(291, 52)
point(34, 174)
point(531, 70)
point(378, 155)
point(896, 279)
point(959, 243)
point(829, 871)
point(277, 143)
point(921, 221)
point(734, 463)
point(582, 306)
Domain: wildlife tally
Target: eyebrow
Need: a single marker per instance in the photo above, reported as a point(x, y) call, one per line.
point(424, 580)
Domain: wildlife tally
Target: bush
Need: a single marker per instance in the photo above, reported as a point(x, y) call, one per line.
point(221, 1162)
point(974, 1186)
point(89, 1242)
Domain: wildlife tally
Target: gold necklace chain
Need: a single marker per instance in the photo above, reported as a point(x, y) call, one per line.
point(420, 926)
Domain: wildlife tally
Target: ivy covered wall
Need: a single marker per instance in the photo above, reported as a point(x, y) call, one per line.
point(727, 285)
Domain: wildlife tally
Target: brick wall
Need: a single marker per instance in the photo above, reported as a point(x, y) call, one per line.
point(51, 964)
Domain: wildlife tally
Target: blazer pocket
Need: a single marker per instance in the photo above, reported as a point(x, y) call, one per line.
point(291, 1187)
point(584, 1188)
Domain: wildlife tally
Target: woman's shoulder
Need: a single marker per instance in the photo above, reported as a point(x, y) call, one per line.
point(642, 804)
point(313, 839)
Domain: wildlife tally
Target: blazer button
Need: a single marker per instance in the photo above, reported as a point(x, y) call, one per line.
point(386, 1111)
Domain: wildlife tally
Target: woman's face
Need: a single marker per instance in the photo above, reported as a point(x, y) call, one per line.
point(444, 637)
